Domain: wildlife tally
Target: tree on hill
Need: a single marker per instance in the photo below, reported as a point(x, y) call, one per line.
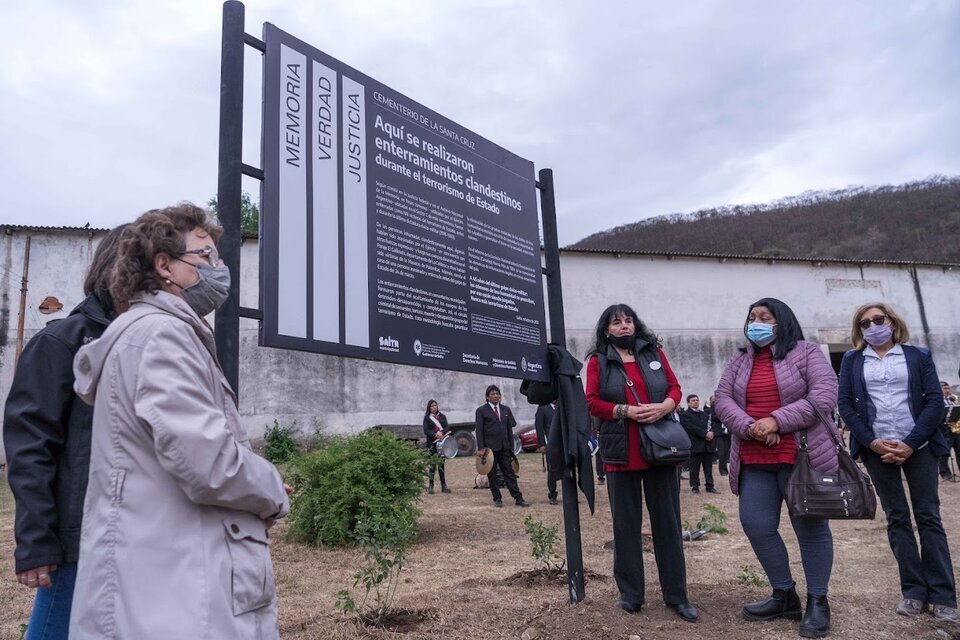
point(918, 221)
point(249, 215)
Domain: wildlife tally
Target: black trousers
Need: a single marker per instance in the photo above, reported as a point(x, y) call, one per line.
point(723, 452)
point(926, 572)
point(954, 443)
point(598, 463)
point(658, 486)
point(503, 460)
point(697, 461)
point(435, 462)
point(551, 484)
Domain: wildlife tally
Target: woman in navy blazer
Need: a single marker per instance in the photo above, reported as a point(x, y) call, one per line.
point(890, 399)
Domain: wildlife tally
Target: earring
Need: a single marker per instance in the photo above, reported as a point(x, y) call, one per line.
point(167, 282)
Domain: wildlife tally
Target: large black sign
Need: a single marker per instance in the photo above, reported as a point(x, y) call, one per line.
point(390, 232)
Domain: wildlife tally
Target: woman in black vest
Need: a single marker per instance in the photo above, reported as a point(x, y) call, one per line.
point(629, 383)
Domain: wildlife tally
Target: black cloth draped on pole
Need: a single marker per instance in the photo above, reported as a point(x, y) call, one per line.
point(568, 440)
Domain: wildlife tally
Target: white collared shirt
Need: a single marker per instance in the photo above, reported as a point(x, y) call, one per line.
point(888, 385)
point(496, 409)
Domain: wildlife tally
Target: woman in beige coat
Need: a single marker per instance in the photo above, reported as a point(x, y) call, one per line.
point(176, 518)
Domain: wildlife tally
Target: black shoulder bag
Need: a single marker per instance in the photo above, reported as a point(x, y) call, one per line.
point(845, 495)
point(663, 442)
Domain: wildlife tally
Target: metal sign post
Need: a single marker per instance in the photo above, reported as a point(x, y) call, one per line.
point(558, 335)
point(227, 321)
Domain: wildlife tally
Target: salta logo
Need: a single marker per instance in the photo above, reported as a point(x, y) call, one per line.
point(389, 344)
point(417, 347)
point(523, 363)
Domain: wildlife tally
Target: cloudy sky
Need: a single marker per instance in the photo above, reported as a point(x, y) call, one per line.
point(109, 108)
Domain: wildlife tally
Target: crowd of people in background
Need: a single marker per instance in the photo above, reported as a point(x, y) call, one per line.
point(120, 429)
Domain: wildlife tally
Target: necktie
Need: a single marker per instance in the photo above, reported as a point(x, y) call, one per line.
point(496, 410)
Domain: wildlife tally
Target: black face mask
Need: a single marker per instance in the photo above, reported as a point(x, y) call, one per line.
point(624, 342)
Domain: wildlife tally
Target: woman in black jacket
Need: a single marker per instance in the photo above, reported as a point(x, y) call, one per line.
point(435, 428)
point(46, 435)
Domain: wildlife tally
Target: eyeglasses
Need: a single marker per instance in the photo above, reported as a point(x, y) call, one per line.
point(877, 320)
point(210, 254)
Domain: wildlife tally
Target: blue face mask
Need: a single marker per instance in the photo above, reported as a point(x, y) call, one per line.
point(760, 333)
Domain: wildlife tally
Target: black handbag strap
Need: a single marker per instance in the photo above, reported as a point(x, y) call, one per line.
point(827, 423)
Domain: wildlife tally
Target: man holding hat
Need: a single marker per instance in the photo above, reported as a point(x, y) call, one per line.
point(494, 432)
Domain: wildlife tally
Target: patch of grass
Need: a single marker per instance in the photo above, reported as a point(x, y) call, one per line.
point(749, 575)
point(6, 499)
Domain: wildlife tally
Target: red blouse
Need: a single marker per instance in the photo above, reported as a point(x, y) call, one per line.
point(600, 408)
point(763, 398)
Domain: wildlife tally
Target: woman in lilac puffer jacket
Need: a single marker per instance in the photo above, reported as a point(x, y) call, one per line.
point(766, 398)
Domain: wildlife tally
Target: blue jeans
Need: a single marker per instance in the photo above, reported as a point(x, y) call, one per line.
point(926, 572)
point(761, 499)
point(50, 619)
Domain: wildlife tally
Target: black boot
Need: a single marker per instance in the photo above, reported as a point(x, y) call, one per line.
point(784, 603)
point(816, 620)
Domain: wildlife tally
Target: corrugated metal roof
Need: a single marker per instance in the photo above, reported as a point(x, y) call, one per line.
point(733, 256)
point(41, 228)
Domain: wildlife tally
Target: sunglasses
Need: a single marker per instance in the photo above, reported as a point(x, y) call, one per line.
point(877, 320)
point(210, 254)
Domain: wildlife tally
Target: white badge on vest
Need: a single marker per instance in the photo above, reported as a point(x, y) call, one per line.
point(655, 365)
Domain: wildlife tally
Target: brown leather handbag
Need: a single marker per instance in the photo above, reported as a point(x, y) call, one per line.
point(845, 495)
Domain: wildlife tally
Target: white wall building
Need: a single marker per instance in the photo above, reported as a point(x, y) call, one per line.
point(696, 303)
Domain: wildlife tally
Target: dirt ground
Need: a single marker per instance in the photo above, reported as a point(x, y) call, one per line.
point(470, 576)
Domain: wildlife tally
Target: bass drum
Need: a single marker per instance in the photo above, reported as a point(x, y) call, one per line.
point(466, 443)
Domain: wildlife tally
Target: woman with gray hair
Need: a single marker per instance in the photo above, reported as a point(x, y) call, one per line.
point(175, 541)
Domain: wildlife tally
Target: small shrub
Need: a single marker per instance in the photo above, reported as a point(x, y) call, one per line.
point(714, 519)
point(279, 444)
point(318, 436)
point(542, 542)
point(383, 539)
point(351, 481)
point(748, 575)
point(360, 491)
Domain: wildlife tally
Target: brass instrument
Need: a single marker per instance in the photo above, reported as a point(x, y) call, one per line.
point(952, 427)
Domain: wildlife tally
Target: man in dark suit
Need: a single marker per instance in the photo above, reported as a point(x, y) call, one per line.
point(695, 422)
point(494, 431)
point(542, 423)
point(721, 438)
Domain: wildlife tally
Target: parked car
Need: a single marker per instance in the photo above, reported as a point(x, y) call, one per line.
point(528, 437)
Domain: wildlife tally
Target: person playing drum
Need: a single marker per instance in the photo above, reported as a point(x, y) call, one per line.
point(435, 428)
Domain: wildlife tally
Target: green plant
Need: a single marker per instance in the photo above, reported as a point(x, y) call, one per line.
point(23, 631)
point(280, 445)
point(713, 519)
point(350, 480)
point(383, 539)
point(542, 542)
point(360, 491)
point(318, 436)
point(748, 575)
